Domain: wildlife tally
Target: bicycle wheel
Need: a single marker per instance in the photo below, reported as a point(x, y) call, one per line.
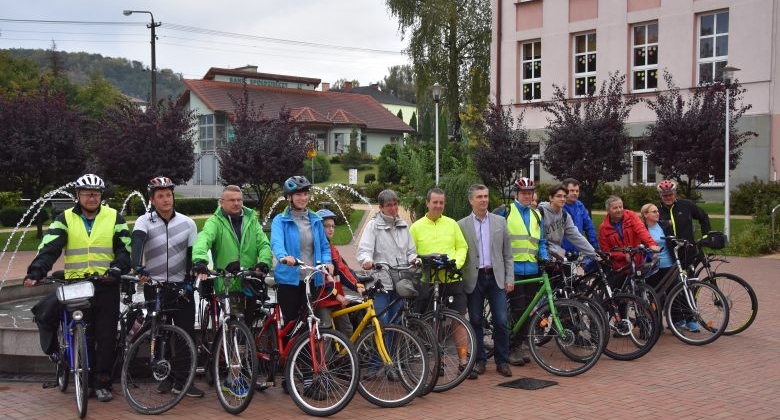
point(456, 342)
point(701, 306)
point(80, 369)
point(425, 333)
point(742, 300)
point(156, 365)
point(632, 325)
point(234, 359)
point(571, 350)
point(396, 382)
point(649, 296)
point(207, 321)
point(268, 355)
point(63, 371)
point(322, 372)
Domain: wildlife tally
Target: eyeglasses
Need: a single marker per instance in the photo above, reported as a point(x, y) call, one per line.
point(90, 195)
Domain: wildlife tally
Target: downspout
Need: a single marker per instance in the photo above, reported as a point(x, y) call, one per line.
point(498, 51)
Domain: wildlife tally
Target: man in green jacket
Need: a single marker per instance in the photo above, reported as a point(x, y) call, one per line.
point(232, 234)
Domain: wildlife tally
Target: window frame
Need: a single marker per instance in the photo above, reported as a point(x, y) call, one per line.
point(716, 62)
point(534, 83)
point(647, 165)
point(647, 69)
point(590, 74)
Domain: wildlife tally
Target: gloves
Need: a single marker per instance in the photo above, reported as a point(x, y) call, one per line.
point(200, 268)
point(114, 272)
point(262, 267)
point(142, 272)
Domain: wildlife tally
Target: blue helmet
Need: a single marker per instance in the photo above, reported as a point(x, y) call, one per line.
point(295, 184)
point(326, 214)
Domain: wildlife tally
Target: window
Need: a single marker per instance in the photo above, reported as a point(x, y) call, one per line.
point(645, 57)
point(713, 45)
point(206, 132)
point(321, 142)
point(642, 169)
point(534, 168)
point(584, 64)
point(363, 143)
point(339, 142)
point(531, 65)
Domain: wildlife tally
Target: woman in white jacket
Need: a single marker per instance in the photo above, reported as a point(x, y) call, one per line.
point(386, 239)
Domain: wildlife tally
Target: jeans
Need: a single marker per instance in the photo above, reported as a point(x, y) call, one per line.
point(381, 300)
point(487, 288)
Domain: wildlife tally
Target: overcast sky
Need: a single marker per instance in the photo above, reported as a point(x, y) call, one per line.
point(352, 39)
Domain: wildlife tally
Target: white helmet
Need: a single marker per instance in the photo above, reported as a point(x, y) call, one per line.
point(90, 182)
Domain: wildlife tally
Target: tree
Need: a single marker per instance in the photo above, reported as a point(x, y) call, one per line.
point(447, 38)
point(97, 96)
point(400, 83)
point(501, 148)
point(400, 114)
point(265, 151)
point(687, 140)
point(339, 84)
point(388, 161)
point(17, 75)
point(588, 139)
point(413, 120)
point(41, 142)
point(134, 145)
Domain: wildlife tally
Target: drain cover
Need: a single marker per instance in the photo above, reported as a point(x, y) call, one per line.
point(528, 383)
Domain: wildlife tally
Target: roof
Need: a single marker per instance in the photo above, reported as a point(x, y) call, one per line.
point(241, 72)
point(381, 96)
point(311, 105)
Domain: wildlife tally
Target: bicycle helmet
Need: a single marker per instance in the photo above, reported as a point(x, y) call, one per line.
point(326, 214)
point(524, 183)
point(159, 182)
point(90, 182)
point(666, 186)
point(295, 184)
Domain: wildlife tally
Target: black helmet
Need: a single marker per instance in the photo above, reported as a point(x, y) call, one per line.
point(159, 182)
point(295, 184)
point(90, 182)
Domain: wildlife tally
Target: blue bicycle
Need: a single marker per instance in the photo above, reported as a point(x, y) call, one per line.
point(72, 336)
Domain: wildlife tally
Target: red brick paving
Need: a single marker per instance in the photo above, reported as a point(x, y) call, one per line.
point(734, 377)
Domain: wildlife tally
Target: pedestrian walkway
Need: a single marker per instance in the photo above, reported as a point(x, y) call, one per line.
point(735, 377)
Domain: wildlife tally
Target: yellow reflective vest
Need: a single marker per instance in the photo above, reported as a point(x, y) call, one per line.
point(525, 244)
point(87, 254)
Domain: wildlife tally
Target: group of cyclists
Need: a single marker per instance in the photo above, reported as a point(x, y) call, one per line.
point(491, 250)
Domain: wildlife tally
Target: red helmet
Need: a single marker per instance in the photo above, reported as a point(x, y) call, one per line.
point(666, 186)
point(524, 183)
point(159, 182)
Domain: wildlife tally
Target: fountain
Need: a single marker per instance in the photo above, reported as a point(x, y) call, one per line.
point(129, 196)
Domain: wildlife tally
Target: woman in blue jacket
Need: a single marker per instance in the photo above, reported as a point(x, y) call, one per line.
point(296, 233)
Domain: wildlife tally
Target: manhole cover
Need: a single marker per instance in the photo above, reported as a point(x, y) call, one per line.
point(528, 383)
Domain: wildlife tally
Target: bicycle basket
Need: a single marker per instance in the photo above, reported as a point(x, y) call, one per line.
point(406, 283)
point(76, 292)
point(715, 240)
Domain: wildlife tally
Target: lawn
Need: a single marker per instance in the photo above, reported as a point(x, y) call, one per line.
point(339, 175)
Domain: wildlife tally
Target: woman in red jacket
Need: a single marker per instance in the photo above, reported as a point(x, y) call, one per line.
point(622, 228)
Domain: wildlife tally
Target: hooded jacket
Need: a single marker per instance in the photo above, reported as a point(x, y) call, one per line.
point(557, 226)
point(389, 243)
point(581, 219)
point(285, 240)
point(219, 237)
point(633, 234)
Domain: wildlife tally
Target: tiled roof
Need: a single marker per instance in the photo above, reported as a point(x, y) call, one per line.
point(308, 115)
point(354, 108)
point(381, 96)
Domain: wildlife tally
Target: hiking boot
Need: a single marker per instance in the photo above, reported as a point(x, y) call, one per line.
point(504, 370)
point(480, 367)
point(516, 357)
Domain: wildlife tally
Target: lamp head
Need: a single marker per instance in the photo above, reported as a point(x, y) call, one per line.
point(436, 90)
point(127, 12)
point(727, 74)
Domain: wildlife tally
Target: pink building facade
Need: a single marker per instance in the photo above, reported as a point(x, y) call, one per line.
point(579, 42)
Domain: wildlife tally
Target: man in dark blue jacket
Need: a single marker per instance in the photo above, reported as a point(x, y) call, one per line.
point(579, 215)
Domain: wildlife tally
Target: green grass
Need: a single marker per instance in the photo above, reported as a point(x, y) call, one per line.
point(342, 236)
point(715, 207)
point(340, 176)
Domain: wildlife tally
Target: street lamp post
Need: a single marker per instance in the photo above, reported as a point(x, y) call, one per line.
point(727, 73)
point(154, 55)
point(436, 90)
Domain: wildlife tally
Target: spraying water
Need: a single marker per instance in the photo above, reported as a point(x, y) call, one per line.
point(129, 196)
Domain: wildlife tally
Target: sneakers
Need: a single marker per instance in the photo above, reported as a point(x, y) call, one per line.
point(692, 326)
point(192, 391)
point(103, 395)
point(238, 388)
point(165, 386)
point(519, 356)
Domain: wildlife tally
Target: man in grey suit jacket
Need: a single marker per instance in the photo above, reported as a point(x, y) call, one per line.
point(488, 274)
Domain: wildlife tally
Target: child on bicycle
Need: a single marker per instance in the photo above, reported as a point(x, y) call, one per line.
point(331, 296)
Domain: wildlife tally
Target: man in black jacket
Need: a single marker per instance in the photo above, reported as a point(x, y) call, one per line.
point(681, 213)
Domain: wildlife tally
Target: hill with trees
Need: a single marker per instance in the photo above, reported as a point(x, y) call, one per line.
point(129, 77)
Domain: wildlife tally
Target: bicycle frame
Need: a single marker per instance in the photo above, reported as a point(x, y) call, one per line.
point(371, 317)
point(545, 290)
point(68, 324)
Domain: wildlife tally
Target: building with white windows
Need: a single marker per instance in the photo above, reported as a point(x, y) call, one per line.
point(577, 43)
point(330, 117)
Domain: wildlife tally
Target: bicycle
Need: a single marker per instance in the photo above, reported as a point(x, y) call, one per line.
point(73, 357)
point(393, 360)
point(320, 366)
point(455, 335)
point(742, 299)
point(565, 337)
point(231, 355)
point(160, 358)
point(688, 301)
